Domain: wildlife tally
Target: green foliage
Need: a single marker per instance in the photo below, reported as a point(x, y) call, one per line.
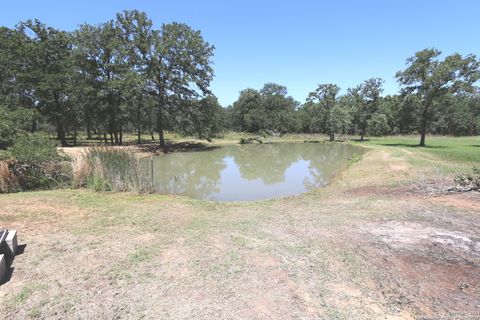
point(366, 99)
point(52, 74)
point(7, 128)
point(175, 62)
point(326, 112)
point(33, 163)
point(108, 78)
point(378, 125)
point(326, 116)
point(205, 119)
point(431, 79)
point(34, 148)
point(13, 123)
point(269, 110)
point(126, 75)
point(107, 169)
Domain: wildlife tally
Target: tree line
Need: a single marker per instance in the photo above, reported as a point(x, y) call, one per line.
point(124, 75)
point(107, 79)
point(437, 96)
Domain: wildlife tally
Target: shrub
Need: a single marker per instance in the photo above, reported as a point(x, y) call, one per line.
point(469, 181)
point(33, 164)
point(18, 176)
point(14, 122)
point(34, 148)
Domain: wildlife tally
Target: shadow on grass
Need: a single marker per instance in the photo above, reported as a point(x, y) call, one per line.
point(359, 140)
point(475, 145)
point(406, 145)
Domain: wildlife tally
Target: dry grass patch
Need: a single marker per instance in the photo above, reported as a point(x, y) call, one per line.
point(361, 248)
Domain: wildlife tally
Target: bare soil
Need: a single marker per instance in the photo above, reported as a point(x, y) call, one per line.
point(364, 247)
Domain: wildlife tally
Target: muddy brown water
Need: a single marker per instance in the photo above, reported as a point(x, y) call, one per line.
point(249, 172)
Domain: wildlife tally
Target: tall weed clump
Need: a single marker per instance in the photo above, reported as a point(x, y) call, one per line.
point(109, 169)
point(8, 180)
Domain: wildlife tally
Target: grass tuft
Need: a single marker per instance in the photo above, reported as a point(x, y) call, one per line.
point(109, 169)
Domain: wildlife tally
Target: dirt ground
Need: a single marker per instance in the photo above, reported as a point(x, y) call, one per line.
point(364, 247)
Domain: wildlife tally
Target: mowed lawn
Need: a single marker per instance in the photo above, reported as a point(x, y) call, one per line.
point(465, 150)
point(364, 247)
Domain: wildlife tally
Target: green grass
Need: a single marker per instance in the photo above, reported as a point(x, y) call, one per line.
point(456, 149)
point(25, 293)
point(175, 245)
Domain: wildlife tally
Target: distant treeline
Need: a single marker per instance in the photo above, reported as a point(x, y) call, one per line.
point(125, 76)
point(361, 111)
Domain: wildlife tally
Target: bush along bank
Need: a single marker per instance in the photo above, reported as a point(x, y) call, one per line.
point(33, 163)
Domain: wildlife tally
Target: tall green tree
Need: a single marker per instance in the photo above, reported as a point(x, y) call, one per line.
point(247, 112)
point(176, 60)
point(268, 110)
point(324, 100)
point(16, 59)
point(278, 107)
point(102, 59)
point(51, 75)
point(430, 79)
point(367, 103)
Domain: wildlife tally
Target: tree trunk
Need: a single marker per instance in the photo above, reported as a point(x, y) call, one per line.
point(139, 120)
point(33, 127)
point(89, 131)
point(120, 138)
point(361, 137)
point(424, 122)
point(332, 136)
point(160, 126)
point(422, 138)
point(75, 134)
point(161, 138)
point(423, 130)
point(61, 135)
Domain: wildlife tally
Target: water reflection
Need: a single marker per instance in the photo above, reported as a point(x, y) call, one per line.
point(250, 172)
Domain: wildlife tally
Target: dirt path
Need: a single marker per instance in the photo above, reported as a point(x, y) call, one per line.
point(360, 248)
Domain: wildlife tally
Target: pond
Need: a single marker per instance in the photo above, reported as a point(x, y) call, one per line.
point(250, 172)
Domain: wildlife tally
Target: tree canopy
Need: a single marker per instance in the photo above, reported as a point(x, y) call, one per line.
point(108, 78)
point(125, 75)
point(430, 79)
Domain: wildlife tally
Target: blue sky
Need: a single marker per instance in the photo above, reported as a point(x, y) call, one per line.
point(295, 43)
